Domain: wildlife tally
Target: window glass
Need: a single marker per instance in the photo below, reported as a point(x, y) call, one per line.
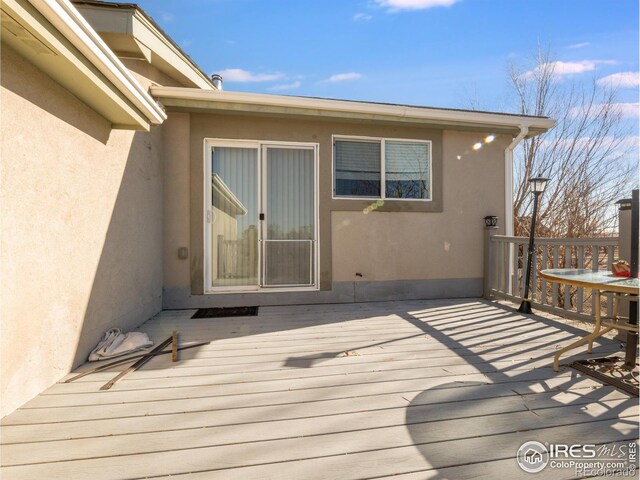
point(407, 170)
point(357, 169)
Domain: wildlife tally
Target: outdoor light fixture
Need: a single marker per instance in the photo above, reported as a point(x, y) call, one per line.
point(624, 204)
point(490, 221)
point(538, 184)
point(477, 146)
point(489, 138)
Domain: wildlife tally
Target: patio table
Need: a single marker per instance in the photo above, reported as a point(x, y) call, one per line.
point(600, 281)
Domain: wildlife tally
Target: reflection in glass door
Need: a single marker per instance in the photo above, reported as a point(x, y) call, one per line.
point(289, 224)
point(234, 217)
point(260, 226)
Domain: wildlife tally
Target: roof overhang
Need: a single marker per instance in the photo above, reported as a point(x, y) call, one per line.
point(194, 100)
point(54, 37)
point(131, 33)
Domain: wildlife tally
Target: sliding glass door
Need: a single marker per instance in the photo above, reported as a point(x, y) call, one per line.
point(261, 216)
point(289, 222)
point(233, 216)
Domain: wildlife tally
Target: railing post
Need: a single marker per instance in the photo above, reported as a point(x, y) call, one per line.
point(490, 229)
point(624, 253)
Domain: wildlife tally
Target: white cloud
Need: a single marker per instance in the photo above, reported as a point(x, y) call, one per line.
point(167, 17)
point(579, 45)
point(341, 77)
point(361, 17)
point(560, 68)
point(618, 145)
point(621, 79)
point(400, 5)
point(244, 76)
point(631, 142)
point(626, 110)
point(286, 86)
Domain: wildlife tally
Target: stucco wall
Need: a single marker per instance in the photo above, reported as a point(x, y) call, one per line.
point(399, 241)
point(81, 233)
point(385, 246)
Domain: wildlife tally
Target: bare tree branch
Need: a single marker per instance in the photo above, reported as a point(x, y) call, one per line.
point(583, 156)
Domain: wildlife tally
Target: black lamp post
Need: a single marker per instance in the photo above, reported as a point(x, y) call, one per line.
point(538, 184)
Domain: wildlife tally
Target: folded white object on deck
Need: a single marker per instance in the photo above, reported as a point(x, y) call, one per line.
point(115, 343)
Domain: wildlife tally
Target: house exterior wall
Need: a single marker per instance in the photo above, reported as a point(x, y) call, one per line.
point(81, 233)
point(447, 245)
point(403, 249)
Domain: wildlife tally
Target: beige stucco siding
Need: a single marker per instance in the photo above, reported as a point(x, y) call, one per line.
point(406, 246)
point(401, 240)
point(81, 235)
point(176, 198)
point(296, 130)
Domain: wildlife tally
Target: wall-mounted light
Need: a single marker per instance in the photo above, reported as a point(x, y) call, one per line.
point(490, 221)
point(489, 138)
point(477, 146)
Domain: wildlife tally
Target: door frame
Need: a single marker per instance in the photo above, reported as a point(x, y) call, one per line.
point(259, 145)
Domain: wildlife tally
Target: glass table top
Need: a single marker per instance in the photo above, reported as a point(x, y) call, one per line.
point(594, 277)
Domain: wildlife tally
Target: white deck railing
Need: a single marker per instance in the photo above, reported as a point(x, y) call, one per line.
point(507, 263)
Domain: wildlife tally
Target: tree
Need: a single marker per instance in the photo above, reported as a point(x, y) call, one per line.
point(585, 156)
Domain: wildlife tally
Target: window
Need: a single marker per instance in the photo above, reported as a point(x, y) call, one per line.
point(381, 168)
point(357, 167)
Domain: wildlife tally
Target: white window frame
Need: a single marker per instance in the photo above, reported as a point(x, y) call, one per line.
point(383, 173)
point(208, 144)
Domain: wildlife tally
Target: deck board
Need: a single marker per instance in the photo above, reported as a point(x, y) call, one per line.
point(325, 391)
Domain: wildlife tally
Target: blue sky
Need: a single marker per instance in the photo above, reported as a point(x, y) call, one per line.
point(425, 52)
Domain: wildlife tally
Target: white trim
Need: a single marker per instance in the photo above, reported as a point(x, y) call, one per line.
point(261, 147)
point(64, 16)
point(383, 172)
point(317, 106)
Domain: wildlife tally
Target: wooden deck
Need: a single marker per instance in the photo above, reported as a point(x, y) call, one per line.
point(415, 390)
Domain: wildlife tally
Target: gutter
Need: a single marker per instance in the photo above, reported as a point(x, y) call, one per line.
point(62, 15)
point(508, 187)
point(508, 196)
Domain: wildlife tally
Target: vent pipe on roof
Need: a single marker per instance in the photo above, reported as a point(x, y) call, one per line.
point(217, 81)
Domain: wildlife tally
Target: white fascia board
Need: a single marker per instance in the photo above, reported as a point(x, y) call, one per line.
point(64, 16)
point(291, 104)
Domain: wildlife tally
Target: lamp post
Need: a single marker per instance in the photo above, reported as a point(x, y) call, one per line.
point(538, 184)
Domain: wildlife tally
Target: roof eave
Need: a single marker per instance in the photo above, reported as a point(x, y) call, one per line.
point(194, 99)
point(142, 28)
point(81, 58)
